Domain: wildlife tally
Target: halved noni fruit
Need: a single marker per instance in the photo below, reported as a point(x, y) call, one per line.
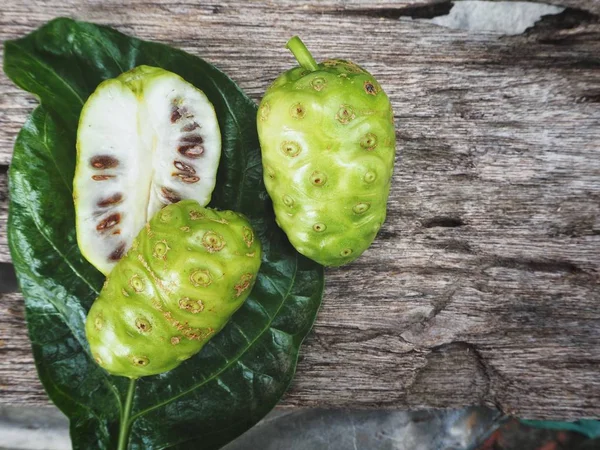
point(146, 139)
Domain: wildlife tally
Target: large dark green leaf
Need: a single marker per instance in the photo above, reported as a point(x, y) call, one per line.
point(241, 374)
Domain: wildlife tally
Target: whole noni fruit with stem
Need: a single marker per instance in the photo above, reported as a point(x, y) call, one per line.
point(328, 146)
point(186, 273)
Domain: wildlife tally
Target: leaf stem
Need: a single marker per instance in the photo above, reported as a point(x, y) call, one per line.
point(125, 423)
point(301, 53)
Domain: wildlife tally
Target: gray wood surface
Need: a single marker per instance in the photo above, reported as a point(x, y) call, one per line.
point(483, 286)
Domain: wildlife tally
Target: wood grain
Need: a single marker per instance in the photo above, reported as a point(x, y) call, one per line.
point(483, 286)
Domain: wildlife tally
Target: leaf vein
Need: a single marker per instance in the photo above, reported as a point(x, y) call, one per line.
point(55, 248)
point(47, 147)
point(103, 45)
point(234, 360)
point(34, 218)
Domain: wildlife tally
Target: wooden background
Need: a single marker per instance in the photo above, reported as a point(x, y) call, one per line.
point(483, 286)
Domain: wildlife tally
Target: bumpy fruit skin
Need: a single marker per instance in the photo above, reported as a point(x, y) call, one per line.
point(186, 273)
point(328, 146)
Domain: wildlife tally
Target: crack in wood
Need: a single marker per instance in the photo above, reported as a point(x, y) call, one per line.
point(489, 373)
point(440, 303)
point(442, 221)
point(426, 11)
point(568, 19)
point(452, 245)
point(366, 336)
point(532, 265)
point(486, 370)
point(592, 96)
point(8, 278)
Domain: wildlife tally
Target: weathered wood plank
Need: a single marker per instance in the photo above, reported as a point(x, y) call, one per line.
point(191, 27)
point(483, 286)
point(18, 378)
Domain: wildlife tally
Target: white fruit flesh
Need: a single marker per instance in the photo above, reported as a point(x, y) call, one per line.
point(144, 141)
point(188, 146)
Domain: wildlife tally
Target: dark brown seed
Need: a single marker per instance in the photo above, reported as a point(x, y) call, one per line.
point(191, 151)
point(104, 162)
point(118, 253)
point(169, 195)
point(102, 177)
point(187, 178)
point(175, 114)
point(190, 127)
point(184, 167)
point(192, 139)
point(109, 222)
point(112, 200)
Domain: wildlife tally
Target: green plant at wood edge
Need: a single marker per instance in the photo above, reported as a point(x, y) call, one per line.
point(242, 373)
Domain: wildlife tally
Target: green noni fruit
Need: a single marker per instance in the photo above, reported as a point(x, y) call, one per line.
point(145, 139)
point(185, 274)
point(328, 145)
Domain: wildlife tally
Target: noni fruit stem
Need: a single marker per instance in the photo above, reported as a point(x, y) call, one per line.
point(301, 53)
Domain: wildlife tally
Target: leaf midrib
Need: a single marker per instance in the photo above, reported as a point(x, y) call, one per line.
point(51, 155)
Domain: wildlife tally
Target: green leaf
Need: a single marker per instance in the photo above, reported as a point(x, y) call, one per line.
point(243, 372)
